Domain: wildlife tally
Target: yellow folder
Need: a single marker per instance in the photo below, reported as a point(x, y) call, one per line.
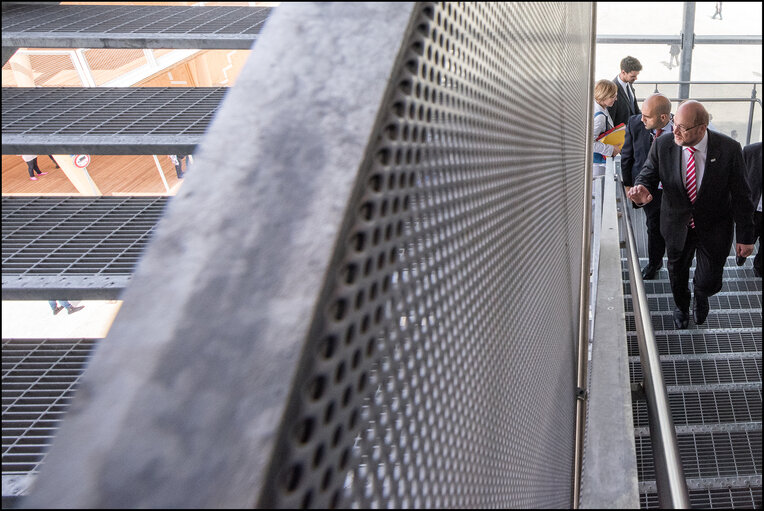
point(616, 136)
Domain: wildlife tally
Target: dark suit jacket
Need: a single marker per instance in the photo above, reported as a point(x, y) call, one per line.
point(635, 149)
point(620, 112)
point(723, 196)
point(752, 156)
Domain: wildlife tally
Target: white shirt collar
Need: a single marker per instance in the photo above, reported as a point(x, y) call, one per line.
point(703, 144)
point(623, 84)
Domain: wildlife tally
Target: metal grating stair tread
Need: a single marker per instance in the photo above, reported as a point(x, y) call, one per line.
point(704, 372)
point(705, 493)
point(91, 244)
point(743, 318)
point(39, 379)
point(107, 120)
point(709, 341)
point(711, 455)
point(708, 407)
point(712, 374)
point(141, 26)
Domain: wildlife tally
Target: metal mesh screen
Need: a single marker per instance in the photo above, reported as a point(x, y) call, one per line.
point(76, 236)
point(429, 379)
point(128, 26)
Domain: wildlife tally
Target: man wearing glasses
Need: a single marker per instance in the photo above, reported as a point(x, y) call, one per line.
point(704, 192)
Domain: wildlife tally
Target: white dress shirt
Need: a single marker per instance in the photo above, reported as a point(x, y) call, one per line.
point(700, 161)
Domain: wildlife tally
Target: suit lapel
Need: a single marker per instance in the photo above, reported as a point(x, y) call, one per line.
point(712, 164)
point(676, 158)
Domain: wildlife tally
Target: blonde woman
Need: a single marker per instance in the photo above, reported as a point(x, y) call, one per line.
point(605, 94)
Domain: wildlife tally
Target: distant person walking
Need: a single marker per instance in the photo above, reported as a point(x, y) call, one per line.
point(177, 160)
point(718, 11)
point(32, 167)
point(674, 52)
point(64, 305)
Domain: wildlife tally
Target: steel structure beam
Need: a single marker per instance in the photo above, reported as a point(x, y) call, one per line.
point(30, 25)
point(106, 120)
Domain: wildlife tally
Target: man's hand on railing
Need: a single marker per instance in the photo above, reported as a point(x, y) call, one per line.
point(639, 195)
point(743, 250)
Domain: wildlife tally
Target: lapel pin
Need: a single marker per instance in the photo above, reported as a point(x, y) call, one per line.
point(713, 160)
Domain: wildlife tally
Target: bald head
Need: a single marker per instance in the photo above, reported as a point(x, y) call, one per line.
point(659, 103)
point(656, 112)
point(691, 121)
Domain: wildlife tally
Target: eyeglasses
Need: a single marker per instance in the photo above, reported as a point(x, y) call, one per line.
point(685, 130)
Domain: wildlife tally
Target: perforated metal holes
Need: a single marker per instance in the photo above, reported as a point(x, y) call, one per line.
point(430, 380)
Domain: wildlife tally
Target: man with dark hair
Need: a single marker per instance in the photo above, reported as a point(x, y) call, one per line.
point(641, 133)
point(626, 103)
point(705, 193)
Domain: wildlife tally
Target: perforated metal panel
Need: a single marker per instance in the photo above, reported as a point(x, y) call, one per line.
point(122, 26)
point(76, 235)
point(106, 120)
point(39, 380)
point(429, 380)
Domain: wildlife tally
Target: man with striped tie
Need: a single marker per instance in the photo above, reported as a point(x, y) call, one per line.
point(704, 193)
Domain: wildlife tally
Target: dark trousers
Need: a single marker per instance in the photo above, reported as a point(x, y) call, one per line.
point(32, 167)
point(708, 271)
point(656, 245)
point(757, 230)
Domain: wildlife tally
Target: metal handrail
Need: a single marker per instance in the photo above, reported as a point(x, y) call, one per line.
point(669, 475)
point(582, 346)
point(753, 100)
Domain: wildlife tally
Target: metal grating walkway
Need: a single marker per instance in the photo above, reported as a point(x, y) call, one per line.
point(123, 26)
point(83, 247)
point(713, 378)
point(107, 120)
point(39, 380)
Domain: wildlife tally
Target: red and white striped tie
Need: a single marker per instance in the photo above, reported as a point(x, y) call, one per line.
point(692, 188)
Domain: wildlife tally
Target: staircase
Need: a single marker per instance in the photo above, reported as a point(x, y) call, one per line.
point(713, 378)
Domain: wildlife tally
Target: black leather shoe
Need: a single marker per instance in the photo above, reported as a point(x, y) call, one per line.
point(681, 319)
point(700, 310)
point(649, 271)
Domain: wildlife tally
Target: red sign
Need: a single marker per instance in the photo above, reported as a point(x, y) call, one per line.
point(82, 160)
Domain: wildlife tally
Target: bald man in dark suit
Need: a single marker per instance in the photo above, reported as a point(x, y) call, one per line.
point(705, 193)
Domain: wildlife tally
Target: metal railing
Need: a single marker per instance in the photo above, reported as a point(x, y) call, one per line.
point(753, 100)
point(669, 475)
